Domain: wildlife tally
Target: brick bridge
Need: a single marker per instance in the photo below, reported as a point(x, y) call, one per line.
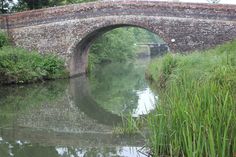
point(70, 30)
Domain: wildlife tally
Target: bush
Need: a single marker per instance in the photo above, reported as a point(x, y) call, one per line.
point(20, 66)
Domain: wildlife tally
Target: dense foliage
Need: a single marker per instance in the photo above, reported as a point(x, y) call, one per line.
point(37, 4)
point(119, 45)
point(196, 114)
point(5, 6)
point(21, 5)
point(20, 66)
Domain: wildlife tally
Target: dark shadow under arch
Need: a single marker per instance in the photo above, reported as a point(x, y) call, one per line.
point(81, 96)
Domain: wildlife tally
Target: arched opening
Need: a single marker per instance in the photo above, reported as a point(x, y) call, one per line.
point(78, 63)
point(119, 87)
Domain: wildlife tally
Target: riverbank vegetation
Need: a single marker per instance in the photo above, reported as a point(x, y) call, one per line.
point(129, 126)
point(119, 45)
point(18, 65)
point(195, 115)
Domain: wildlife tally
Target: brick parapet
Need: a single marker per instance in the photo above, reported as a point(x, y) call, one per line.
point(112, 8)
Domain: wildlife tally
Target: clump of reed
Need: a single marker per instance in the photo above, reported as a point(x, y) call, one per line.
point(196, 112)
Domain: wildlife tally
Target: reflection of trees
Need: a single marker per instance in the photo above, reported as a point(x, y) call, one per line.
point(18, 99)
point(23, 149)
point(35, 151)
point(114, 86)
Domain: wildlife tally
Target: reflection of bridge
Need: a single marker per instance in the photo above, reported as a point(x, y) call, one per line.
point(73, 118)
point(70, 30)
point(49, 138)
point(69, 119)
point(80, 91)
point(155, 49)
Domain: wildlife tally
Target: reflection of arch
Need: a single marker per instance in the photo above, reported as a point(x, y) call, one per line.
point(80, 48)
point(80, 92)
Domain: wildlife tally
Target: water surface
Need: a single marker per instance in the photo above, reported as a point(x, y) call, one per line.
point(68, 118)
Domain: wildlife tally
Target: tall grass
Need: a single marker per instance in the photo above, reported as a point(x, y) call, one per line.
point(196, 113)
point(129, 125)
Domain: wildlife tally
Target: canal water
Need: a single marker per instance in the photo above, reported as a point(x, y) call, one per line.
point(76, 117)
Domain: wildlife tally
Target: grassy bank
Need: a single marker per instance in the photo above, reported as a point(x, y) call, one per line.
point(21, 66)
point(196, 113)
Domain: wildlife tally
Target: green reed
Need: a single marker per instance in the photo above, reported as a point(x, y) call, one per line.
point(195, 116)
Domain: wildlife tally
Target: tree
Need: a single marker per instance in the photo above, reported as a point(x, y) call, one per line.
point(115, 45)
point(5, 6)
point(213, 1)
point(32, 4)
point(37, 4)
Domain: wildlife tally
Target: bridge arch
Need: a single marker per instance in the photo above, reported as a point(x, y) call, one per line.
point(79, 50)
point(68, 30)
